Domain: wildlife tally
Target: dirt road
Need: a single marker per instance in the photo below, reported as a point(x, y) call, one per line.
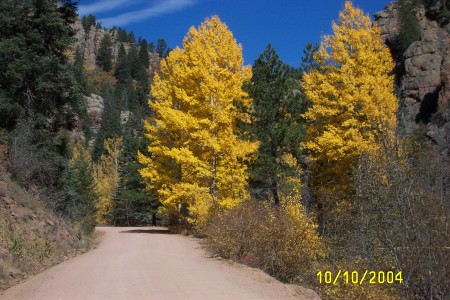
point(150, 263)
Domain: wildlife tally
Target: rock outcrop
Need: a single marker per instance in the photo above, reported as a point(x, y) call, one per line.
point(95, 107)
point(425, 85)
point(89, 42)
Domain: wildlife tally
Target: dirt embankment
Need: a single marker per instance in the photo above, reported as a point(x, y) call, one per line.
point(31, 238)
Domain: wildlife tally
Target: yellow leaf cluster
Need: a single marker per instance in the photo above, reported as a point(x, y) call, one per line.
point(196, 158)
point(107, 178)
point(79, 153)
point(352, 94)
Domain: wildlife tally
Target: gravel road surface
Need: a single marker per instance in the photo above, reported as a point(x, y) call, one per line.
point(151, 263)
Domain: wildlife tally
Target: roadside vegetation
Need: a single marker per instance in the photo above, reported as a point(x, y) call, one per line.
point(293, 171)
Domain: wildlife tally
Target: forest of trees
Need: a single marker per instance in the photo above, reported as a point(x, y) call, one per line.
point(293, 171)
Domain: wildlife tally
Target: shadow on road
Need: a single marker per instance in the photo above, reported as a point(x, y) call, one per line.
point(151, 231)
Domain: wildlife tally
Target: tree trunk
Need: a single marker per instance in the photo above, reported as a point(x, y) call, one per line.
point(274, 190)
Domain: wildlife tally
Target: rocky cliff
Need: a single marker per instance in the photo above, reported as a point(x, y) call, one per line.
point(424, 84)
point(89, 43)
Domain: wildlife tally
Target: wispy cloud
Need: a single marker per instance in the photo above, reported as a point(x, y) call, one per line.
point(102, 6)
point(162, 7)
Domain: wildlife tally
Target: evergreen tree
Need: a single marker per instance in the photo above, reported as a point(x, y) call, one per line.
point(144, 57)
point(79, 194)
point(309, 63)
point(142, 88)
point(131, 38)
point(161, 48)
point(78, 70)
point(34, 36)
point(122, 35)
point(142, 94)
point(151, 47)
point(409, 30)
point(110, 125)
point(133, 204)
point(87, 22)
point(276, 124)
point(104, 56)
point(38, 88)
point(134, 61)
point(122, 72)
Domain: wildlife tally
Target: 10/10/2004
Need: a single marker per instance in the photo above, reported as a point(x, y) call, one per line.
point(355, 277)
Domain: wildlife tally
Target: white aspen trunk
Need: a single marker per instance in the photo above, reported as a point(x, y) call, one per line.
point(213, 186)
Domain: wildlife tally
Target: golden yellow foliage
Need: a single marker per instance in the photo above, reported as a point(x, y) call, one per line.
point(107, 177)
point(196, 158)
point(352, 94)
point(353, 112)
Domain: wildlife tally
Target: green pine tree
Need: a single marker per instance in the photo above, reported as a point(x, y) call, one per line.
point(104, 56)
point(144, 57)
point(131, 38)
point(39, 94)
point(161, 48)
point(34, 36)
point(133, 204)
point(78, 70)
point(88, 21)
point(122, 35)
point(135, 62)
point(308, 61)
point(122, 72)
point(110, 126)
point(276, 123)
point(79, 193)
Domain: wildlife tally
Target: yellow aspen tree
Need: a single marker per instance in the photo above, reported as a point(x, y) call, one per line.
point(353, 111)
point(352, 92)
point(196, 158)
point(107, 177)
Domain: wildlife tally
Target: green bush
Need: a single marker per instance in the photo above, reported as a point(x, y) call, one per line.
point(409, 25)
point(17, 245)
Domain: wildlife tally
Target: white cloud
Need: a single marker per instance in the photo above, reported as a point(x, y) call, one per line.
point(102, 6)
point(163, 7)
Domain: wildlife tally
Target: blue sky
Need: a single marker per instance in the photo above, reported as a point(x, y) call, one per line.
point(287, 24)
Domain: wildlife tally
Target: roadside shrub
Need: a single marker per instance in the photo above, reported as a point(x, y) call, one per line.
point(347, 291)
point(282, 241)
point(403, 217)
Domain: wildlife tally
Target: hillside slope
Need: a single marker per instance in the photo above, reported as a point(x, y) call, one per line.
point(31, 237)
